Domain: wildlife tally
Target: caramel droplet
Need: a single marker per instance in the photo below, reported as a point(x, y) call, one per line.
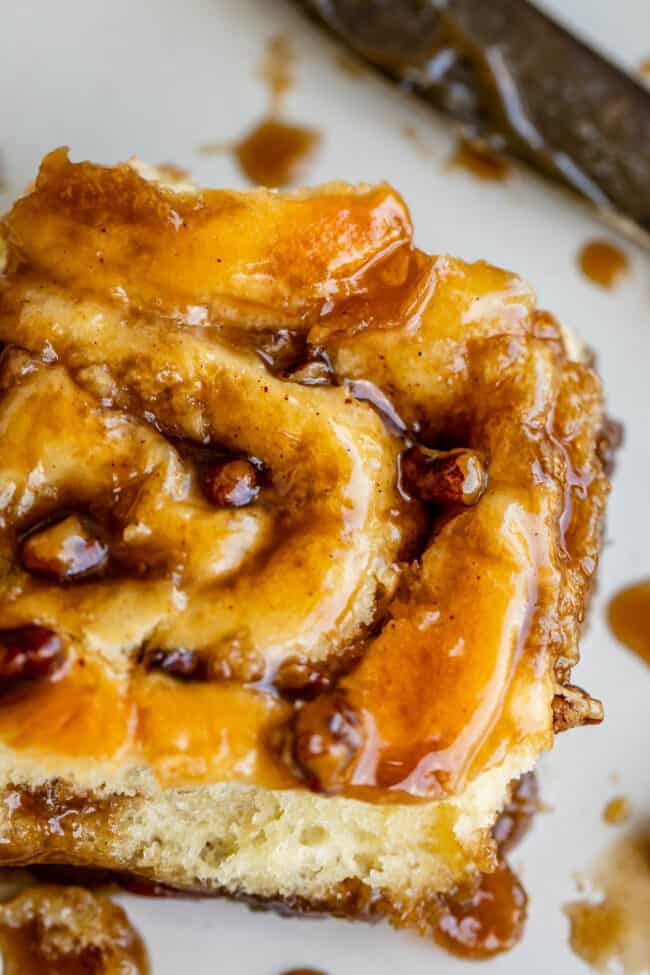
point(602, 262)
point(481, 160)
point(274, 152)
point(485, 918)
point(629, 618)
point(617, 811)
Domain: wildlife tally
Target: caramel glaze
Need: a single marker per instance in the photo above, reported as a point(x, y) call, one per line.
point(610, 931)
point(617, 810)
point(481, 161)
point(304, 971)
point(49, 930)
point(274, 153)
point(487, 916)
point(196, 283)
point(277, 68)
point(603, 262)
point(629, 618)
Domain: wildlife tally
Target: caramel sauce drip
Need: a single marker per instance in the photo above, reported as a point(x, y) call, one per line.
point(487, 916)
point(611, 932)
point(484, 919)
point(644, 68)
point(481, 161)
point(617, 811)
point(68, 931)
point(629, 618)
point(602, 262)
point(274, 153)
point(277, 69)
point(304, 971)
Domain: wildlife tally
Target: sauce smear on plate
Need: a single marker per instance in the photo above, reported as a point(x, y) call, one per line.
point(629, 618)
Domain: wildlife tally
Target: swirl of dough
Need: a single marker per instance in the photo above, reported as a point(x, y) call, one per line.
point(144, 311)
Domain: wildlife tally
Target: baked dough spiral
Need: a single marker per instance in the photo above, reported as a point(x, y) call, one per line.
point(394, 605)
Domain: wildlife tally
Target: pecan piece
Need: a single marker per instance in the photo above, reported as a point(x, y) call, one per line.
point(230, 661)
point(230, 483)
point(573, 707)
point(444, 476)
point(325, 738)
point(67, 550)
point(296, 679)
point(28, 653)
point(183, 664)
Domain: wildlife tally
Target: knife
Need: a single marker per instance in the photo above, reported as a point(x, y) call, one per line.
point(515, 78)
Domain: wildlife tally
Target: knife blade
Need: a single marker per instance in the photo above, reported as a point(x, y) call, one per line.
point(517, 79)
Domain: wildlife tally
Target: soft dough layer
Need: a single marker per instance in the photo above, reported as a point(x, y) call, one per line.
point(297, 527)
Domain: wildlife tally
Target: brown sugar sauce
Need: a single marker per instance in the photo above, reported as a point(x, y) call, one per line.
point(484, 919)
point(274, 152)
point(628, 614)
point(488, 916)
point(50, 930)
point(610, 930)
point(481, 161)
point(603, 263)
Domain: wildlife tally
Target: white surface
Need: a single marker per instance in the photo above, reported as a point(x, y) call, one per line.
point(159, 77)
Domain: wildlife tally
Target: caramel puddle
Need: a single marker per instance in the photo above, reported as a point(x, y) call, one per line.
point(274, 152)
point(628, 614)
point(481, 161)
point(612, 933)
point(602, 262)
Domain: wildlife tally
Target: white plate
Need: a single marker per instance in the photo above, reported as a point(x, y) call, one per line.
point(159, 77)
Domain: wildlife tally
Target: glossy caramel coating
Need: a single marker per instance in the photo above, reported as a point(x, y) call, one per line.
point(440, 620)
